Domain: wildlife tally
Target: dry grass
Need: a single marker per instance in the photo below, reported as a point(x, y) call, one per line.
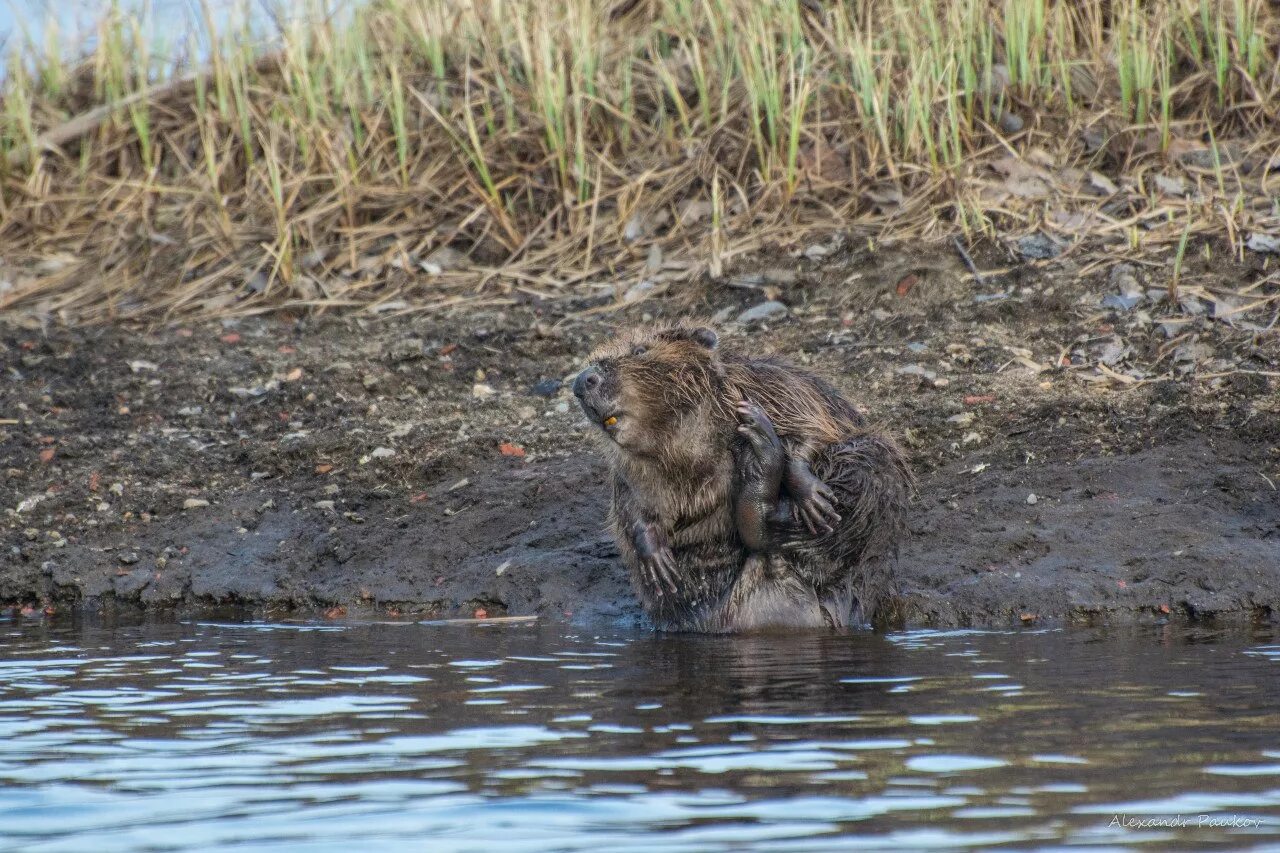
point(557, 143)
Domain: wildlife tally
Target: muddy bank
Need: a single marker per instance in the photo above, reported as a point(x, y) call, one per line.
point(1081, 458)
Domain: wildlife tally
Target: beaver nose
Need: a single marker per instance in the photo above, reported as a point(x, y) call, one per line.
point(587, 380)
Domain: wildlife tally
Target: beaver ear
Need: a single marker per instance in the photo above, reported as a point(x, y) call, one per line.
point(704, 336)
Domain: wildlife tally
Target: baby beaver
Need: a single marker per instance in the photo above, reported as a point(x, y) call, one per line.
point(747, 493)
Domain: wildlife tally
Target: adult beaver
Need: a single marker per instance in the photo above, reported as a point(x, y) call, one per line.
point(747, 493)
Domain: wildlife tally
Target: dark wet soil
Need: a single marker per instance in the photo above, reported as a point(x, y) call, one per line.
point(1077, 461)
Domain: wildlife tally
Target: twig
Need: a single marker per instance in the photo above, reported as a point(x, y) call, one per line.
point(968, 262)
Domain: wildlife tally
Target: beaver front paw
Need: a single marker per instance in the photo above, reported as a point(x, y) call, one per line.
point(755, 426)
point(657, 562)
point(813, 501)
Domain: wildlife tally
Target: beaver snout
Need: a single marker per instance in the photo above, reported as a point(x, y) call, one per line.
point(587, 381)
point(598, 397)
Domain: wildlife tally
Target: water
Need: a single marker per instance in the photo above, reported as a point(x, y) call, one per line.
point(524, 737)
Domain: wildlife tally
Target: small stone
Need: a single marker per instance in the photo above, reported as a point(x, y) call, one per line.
point(1258, 242)
point(638, 291)
point(128, 558)
point(481, 391)
point(1010, 123)
point(918, 370)
point(764, 311)
point(327, 505)
point(1038, 247)
point(546, 387)
point(1032, 499)
point(194, 503)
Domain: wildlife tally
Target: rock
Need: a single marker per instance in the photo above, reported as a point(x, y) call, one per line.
point(1038, 246)
point(128, 558)
point(1010, 123)
point(918, 370)
point(1113, 352)
point(638, 291)
point(443, 258)
point(194, 503)
point(653, 261)
point(1171, 185)
point(1101, 184)
point(1123, 303)
point(407, 349)
point(1259, 242)
point(327, 505)
point(1032, 499)
point(764, 311)
point(546, 387)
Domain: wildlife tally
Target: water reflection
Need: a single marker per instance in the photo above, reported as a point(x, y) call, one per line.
point(205, 735)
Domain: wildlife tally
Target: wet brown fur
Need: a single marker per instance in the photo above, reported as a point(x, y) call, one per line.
point(674, 463)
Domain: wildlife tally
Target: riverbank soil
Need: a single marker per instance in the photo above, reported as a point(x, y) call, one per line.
point(1090, 445)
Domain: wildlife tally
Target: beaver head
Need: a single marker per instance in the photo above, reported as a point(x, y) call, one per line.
point(640, 387)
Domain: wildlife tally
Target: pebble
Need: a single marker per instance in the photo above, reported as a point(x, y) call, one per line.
point(1032, 499)
point(547, 387)
point(194, 503)
point(382, 453)
point(764, 311)
point(482, 391)
point(128, 558)
point(1038, 247)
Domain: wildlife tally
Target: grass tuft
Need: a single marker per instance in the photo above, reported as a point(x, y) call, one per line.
point(556, 142)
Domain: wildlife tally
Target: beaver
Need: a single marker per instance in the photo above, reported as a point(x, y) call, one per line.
point(748, 493)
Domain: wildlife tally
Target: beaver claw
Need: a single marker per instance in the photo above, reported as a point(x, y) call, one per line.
point(813, 501)
point(755, 426)
point(657, 562)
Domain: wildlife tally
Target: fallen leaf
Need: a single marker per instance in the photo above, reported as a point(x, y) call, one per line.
point(448, 348)
point(94, 481)
point(230, 338)
point(1028, 617)
point(979, 399)
point(323, 468)
point(293, 375)
point(418, 498)
point(335, 612)
point(1121, 584)
point(481, 613)
point(1164, 608)
point(509, 449)
point(46, 455)
point(905, 284)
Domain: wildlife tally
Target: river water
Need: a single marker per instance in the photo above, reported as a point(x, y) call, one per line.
point(255, 736)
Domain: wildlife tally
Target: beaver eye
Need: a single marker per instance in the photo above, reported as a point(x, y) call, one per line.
point(639, 350)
